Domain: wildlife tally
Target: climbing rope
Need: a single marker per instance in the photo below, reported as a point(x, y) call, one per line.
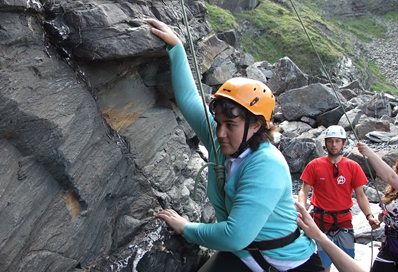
point(219, 169)
point(345, 113)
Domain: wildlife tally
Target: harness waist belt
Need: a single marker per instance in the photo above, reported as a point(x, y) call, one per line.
point(334, 214)
point(274, 243)
point(321, 211)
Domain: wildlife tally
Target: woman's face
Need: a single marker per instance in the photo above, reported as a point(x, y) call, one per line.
point(230, 131)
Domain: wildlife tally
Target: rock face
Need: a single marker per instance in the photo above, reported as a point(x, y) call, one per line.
point(92, 143)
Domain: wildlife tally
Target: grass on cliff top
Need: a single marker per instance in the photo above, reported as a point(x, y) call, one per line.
point(220, 19)
point(276, 32)
point(391, 16)
point(379, 81)
point(279, 33)
point(365, 29)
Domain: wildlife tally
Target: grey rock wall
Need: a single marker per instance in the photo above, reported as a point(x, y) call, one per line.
point(90, 143)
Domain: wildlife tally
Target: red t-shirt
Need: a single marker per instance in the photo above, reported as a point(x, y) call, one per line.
point(333, 193)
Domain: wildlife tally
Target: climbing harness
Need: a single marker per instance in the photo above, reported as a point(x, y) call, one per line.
point(333, 214)
point(255, 248)
point(342, 107)
point(218, 168)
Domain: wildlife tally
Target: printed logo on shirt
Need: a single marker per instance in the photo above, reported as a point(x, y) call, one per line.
point(322, 179)
point(341, 180)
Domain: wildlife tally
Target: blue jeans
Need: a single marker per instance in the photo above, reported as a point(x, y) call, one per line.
point(344, 239)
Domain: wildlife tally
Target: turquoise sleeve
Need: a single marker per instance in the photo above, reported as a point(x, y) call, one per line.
point(191, 106)
point(187, 96)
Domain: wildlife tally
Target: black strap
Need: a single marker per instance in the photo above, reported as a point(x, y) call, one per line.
point(333, 214)
point(322, 226)
point(321, 211)
point(244, 144)
point(260, 260)
point(391, 232)
point(274, 243)
point(255, 247)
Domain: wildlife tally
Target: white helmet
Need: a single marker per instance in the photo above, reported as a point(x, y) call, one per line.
point(335, 132)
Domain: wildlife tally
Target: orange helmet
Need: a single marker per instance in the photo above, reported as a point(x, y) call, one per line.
point(252, 94)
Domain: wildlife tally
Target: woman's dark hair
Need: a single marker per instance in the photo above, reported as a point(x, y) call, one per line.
point(227, 106)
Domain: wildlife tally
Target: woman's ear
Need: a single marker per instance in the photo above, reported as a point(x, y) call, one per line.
point(256, 126)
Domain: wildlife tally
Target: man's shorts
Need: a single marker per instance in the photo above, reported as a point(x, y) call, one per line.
point(344, 239)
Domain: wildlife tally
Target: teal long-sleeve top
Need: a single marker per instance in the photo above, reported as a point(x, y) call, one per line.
point(258, 202)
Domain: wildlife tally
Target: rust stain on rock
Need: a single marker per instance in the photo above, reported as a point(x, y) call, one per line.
point(72, 204)
point(120, 118)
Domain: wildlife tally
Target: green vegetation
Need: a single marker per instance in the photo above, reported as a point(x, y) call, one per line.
point(365, 29)
point(379, 82)
point(273, 31)
point(277, 32)
point(383, 87)
point(220, 19)
point(392, 16)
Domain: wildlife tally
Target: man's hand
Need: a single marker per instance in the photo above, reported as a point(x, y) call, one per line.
point(373, 222)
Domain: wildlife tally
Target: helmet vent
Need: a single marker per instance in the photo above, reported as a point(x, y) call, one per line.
point(226, 90)
point(254, 89)
point(254, 101)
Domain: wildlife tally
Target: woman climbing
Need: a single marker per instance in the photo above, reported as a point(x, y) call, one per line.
point(256, 226)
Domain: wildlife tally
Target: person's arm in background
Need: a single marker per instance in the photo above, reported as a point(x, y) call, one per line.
point(342, 261)
point(303, 194)
point(363, 204)
point(383, 170)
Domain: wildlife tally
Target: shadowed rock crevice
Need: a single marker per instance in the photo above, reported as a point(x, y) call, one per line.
point(34, 137)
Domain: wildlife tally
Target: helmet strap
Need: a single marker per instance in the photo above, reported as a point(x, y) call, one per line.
point(244, 144)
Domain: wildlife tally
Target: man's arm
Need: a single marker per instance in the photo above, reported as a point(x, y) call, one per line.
point(303, 194)
point(363, 203)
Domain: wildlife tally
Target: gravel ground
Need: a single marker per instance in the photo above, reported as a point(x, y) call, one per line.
point(384, 52)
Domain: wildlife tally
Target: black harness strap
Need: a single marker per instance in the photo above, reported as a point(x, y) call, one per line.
point(255, 247)
point(260, 260)
point(275, 243)
point(334, 214)
point(391, 231)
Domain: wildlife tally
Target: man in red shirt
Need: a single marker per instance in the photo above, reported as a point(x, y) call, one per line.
point(333, 178)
